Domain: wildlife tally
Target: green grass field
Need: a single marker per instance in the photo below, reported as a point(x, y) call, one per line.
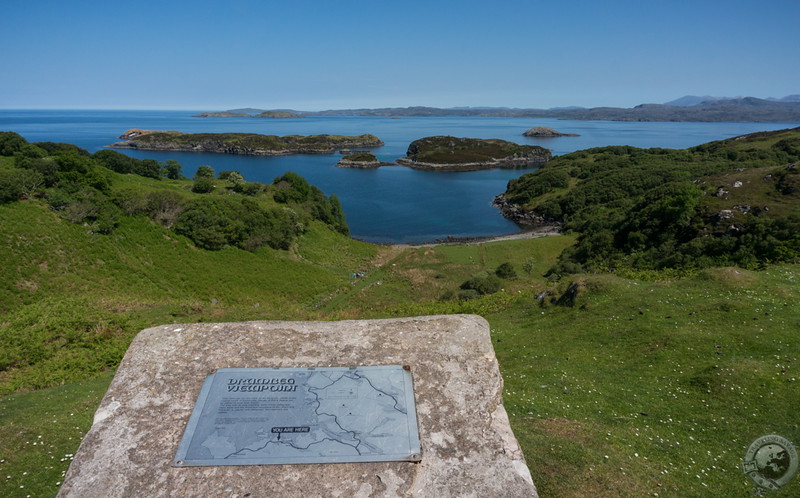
point(640, 383)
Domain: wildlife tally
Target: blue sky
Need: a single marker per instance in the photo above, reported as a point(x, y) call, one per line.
point(314, 55)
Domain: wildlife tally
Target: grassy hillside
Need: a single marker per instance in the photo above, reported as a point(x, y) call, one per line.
point(730, 202)
point(616, 383)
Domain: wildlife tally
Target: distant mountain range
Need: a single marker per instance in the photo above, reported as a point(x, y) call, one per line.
point(691, 100)
point(687, 108)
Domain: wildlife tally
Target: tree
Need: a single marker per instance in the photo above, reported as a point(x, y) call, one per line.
point(10, 143)
point(203, 185)
point(10, 185)
point(164, 206)
point(234, 178)
point(204, 171)
point(115, 161)
point(505, 270)
point(291, 187)
point(148, 168)
point(172, 169)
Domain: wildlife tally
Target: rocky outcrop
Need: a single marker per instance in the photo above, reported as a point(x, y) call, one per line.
point(468, 447)
point(543, 132)
point(250, 144)
point(519, 216)
point(444, 153)
point(136, 132)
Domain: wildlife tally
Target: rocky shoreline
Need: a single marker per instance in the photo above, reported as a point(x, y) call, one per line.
point(524, 218)
point(508, 163)
point(450, 240)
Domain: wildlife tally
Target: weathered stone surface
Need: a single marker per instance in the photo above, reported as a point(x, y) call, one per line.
point(468, 448)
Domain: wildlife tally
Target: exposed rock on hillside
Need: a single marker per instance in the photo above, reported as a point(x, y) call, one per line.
point(522, 217)
point(543, 132)
point(444, 153)
point(136, 132)
point(241, 143)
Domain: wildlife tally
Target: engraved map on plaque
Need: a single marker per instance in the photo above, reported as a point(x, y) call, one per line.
point(260, 416)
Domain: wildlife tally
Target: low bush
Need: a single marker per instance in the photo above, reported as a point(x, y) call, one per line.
point(483, 283)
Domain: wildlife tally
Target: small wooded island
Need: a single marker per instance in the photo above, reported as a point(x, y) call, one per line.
point(361, 160)
point(444, 153)
point(250, 144)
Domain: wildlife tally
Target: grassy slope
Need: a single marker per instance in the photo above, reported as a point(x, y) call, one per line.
point(641, 387)
point(68, 296)
point(653, 387)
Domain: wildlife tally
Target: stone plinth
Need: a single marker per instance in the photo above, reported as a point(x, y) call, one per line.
point(467, 446)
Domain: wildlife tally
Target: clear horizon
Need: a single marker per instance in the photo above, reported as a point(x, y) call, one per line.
point(313, 55)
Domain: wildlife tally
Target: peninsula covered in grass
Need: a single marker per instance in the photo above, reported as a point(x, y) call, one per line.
point(251, 144)
point(730, 202)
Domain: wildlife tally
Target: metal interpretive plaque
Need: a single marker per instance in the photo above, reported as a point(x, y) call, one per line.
point(261, 416)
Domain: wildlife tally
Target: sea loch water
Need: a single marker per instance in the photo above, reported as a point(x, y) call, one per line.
point(392, 204)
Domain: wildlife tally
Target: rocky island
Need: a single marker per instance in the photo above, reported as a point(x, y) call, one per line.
point(278, 115)
point(544, 132)
point(444, 153)
point(361, 160)
point(250, 144)
point(250, 113)
point(223, 114)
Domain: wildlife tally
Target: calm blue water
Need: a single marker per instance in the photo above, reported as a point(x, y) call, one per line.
point(390, 204)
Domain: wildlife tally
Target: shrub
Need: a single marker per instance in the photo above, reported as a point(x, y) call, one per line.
point(10, 186)
point(46, 167)
point(505, 270)
point(484, 283)
point(248, 188)
point(213, 223)
point(204, 171)
point(115, 161)
point(527, 266)
point(19, 183)
point(11, 143)
point(203, 185)
point(148, 168)
point(231, 176)
point(172, 169)
point(210, 223)
point(164, 206)
point(467, 294)
point(291, 187)
point(58, 148)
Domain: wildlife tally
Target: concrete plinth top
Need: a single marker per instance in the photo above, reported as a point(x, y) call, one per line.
point(467, 446)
